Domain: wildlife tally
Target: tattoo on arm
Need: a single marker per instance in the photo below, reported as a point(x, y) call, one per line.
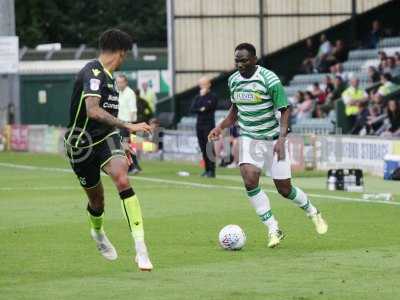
point(285, 115)
point(94, 111)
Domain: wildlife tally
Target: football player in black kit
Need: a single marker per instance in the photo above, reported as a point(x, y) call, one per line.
point(93, 143)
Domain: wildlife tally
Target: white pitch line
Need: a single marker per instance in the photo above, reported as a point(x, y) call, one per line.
point(199, 185)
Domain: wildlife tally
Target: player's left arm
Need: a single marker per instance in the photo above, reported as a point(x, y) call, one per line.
point(281, 103)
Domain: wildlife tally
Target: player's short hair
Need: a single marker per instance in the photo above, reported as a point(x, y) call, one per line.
point(246, 46)
point(113, 40)
point(123, 76)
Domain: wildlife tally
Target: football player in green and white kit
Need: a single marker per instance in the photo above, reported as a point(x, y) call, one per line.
point(256, 94)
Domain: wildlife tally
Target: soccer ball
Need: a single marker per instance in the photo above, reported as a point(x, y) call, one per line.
point(232, 237)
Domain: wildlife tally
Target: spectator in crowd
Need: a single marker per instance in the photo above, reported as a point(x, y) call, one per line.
point(149, 95)
point(366, 119)
point(387, 86)
point(204, 105)
point(393, 67)
point(373, 75)
point(352, 97)
point(393, 119)
point(374, 35)
point(337, 70)
point(339, 53)
point(295, 101)
point(305, 108)
point(321, 61)
point(318, 93)
point(127, 112)
point(338, 88)
point(329, 86)
point(397, 59)
point(311, 52)
point(144, 112)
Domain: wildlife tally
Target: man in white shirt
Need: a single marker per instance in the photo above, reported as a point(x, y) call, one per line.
point(127, 100)
point(127, 112)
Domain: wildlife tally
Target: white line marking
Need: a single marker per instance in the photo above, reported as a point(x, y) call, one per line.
point(198, 185)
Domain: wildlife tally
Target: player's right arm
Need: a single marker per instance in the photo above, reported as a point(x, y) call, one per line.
point(95, 112)
point(230, 119)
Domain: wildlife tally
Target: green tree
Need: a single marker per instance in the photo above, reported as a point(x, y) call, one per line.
point(72, 22)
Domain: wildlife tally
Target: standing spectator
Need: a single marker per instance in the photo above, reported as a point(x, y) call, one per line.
point(311, 52)
point(149, 95)
point(374, 35)
point(204, 105)
point(373, 75)
point(144, 112)
point(352, 97)
point(127, 112)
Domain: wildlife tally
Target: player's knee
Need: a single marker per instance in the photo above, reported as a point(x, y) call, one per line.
point(251, 184)
point(121, 180)
point(284, 191)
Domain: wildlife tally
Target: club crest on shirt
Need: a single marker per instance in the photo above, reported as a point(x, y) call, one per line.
point(94, 84)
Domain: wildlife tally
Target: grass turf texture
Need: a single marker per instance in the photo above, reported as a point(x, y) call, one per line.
point(46, 251)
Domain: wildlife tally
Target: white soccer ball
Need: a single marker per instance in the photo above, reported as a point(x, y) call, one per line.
point(232, 237)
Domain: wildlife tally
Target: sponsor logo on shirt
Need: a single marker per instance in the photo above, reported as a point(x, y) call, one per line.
point(94, 84)
point(246, 97)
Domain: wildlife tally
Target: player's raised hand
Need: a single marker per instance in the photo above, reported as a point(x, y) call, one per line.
point(214, 134)
point(139, 127)
point(279, 148)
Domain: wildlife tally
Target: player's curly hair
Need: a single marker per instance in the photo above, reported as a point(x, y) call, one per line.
point(114, 40)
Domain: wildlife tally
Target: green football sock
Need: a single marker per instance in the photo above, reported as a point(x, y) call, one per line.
point(133, 213)
point(96, 222)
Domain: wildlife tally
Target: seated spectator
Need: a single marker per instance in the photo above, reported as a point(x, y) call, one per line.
point(387, 86)
point(375, 119)
point(321, 62)
point(393, 119)
point(318, 93)
point(329, 86)
point(295, 102)
point(338, 88)
point(339, 53)
point(360, 118)
point(311, 52)
point(374, 35)
point(337, 70)
point(352, 97)
point(318, 112)
point(393, 66)
point(373, 75)
point(304, 109)
point(397, 58)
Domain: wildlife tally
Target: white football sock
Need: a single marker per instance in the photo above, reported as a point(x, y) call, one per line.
point(259, 200)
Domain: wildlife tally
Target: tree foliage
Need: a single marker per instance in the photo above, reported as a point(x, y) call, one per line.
point(75, 22)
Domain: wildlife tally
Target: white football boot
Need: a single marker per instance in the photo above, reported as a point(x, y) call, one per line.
point(104, 245)
point(142, 257)
point(320, 224)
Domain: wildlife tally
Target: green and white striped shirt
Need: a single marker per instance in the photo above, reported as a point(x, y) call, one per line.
point(257, 98)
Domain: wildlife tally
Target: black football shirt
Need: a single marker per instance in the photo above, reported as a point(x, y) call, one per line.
point(92, 80)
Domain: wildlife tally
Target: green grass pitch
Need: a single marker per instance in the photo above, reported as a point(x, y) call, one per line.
point(46, 251)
